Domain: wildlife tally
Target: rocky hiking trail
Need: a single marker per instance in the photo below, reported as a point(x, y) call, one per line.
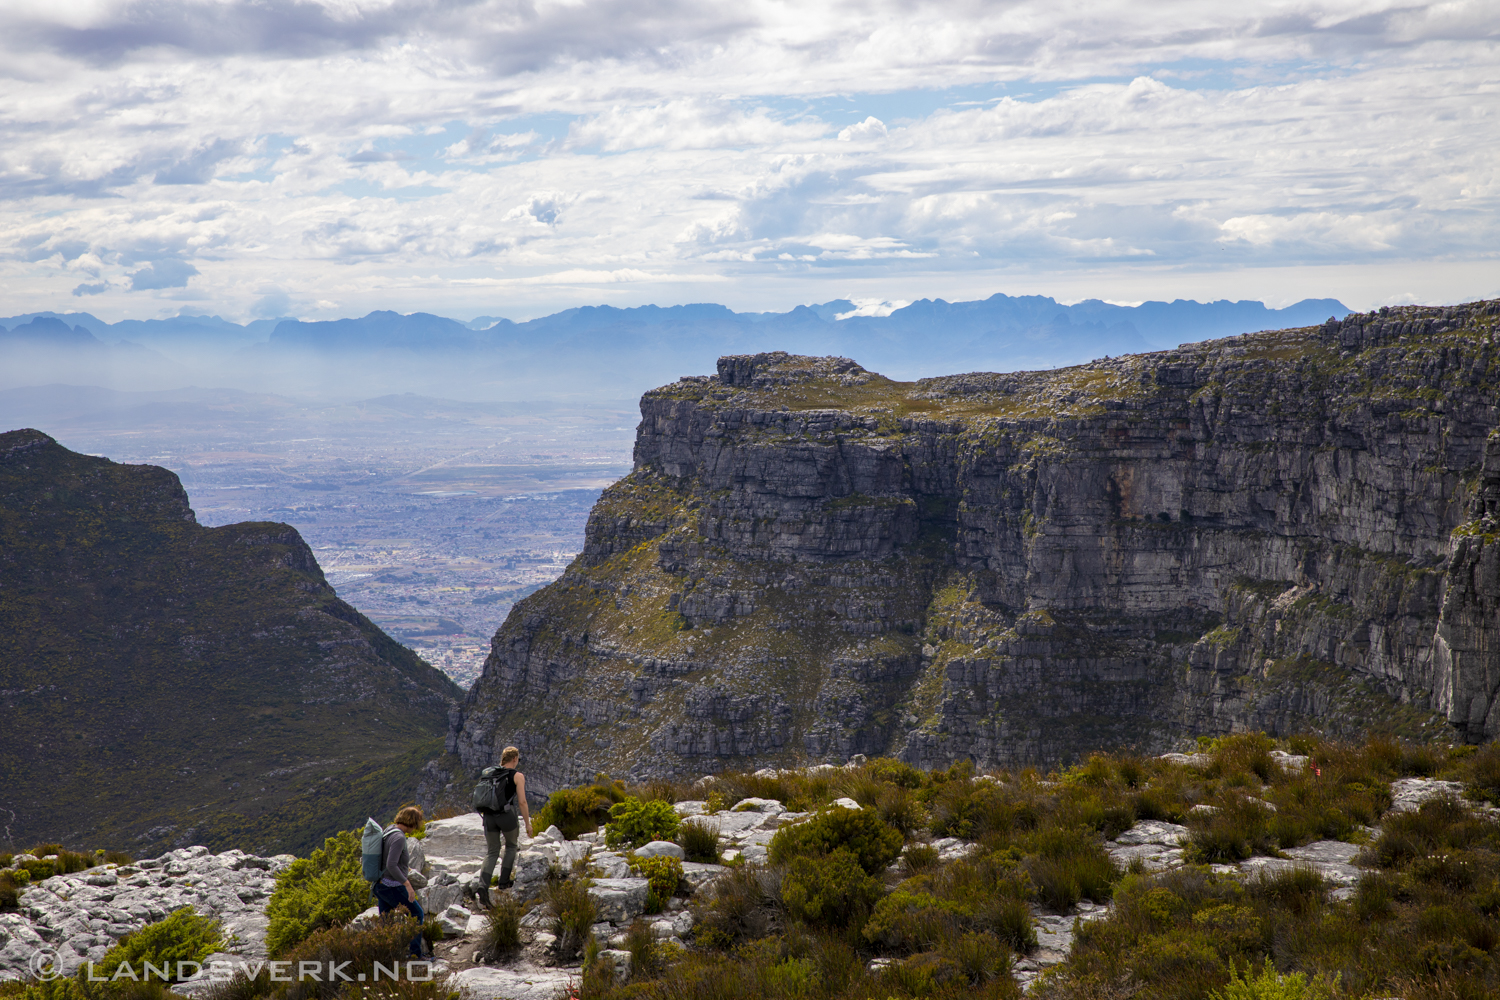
point(80, 916)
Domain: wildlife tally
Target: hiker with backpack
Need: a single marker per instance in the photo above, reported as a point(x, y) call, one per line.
point(391, 879)
point(500, 798)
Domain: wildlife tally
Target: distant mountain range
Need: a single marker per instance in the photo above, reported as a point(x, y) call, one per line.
point(593, 349)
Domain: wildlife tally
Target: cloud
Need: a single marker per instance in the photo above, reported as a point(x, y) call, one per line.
point(166, 273)
point(870, 128)
point(94, 289)
point(272, 305)
point(335, 151)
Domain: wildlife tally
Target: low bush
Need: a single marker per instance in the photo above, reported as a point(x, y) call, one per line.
point(1239, 827)
point(913, 921)
point(663, 875)
point(573, 914)
point(384, 940)
point(742, 906)
point(182, 936)
point(79, 988)
point(317, 892)
point(635, 823)
point(918, 858)
point(699, 839)
point(502, 928)
point(580, 810)
point(831, 890)
point(1067, 865)
point(895, 772)
point(1268, 985)
point(872, 842)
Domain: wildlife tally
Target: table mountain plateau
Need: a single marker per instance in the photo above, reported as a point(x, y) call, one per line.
point(1291, 530)
point(163, 683)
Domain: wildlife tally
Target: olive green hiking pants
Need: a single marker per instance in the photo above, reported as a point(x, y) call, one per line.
point(492, 839)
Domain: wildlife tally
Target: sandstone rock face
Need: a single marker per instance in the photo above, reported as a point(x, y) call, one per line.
point(1289, 530)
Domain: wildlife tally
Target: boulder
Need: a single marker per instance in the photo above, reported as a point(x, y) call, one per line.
point(846, 803)
point(1408, 794)
point(457, 837)
point(661, 849)
point(1154, 831)
point(617, 961)
point(454, 921)
point(759, 806)
point(619, 900)
point(697, 875)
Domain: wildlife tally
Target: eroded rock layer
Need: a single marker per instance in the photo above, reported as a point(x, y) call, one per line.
point(1286, 530)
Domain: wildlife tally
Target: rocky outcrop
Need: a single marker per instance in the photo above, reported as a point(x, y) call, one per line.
point(1283, 531)
point(73, 919)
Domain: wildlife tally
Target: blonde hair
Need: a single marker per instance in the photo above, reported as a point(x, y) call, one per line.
point(509, 754)
point(410, 816)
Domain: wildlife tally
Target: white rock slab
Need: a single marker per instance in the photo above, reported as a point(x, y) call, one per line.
point(485, 983)
point(1154, 831)
point(1408, 794)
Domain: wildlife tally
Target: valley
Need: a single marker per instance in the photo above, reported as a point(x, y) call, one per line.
point(432, 517)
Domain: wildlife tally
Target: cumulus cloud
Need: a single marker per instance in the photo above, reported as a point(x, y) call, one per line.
point(870, 128)
point(165, 273)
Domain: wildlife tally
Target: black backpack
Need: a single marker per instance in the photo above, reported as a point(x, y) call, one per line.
point(495, 796)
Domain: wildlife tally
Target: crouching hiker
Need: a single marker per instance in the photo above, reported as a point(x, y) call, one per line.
point(394, 890)
point(500, 797)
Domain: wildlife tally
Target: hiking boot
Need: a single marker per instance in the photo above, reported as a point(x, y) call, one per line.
point(484, 896)
point(507, 883)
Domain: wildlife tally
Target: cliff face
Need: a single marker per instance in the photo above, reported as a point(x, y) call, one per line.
point(1288, 530)
point(165, 683)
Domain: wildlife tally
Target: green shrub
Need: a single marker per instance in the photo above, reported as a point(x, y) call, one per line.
point(699, 840)
point(635, 823)
point(1267, 985)
point(978, 957)
point(580, 810)
point(182, 936)
point(9, 893)
point(918, 858)
point(743, 905)
point(913, 921)
point(1068, 865)
point(573, 914)
point(317, 892)
point(894, 772)
point(645, 954)
point(502, 928)
point(384, 940)
point(663, 875)
point(56, 860)
point(860, 832)
point(1241, 827)
point(79, 988)
point(831, 890)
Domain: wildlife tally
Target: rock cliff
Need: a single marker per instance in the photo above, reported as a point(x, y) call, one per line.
point(1285, 530)
point(165, 684)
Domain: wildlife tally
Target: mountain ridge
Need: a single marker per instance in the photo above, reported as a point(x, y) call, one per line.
point(163, 682)
point(1283, 530)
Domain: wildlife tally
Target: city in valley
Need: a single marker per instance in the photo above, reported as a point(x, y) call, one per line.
point(430, 516)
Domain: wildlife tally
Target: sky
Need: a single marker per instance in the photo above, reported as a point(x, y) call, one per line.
point(322, 158)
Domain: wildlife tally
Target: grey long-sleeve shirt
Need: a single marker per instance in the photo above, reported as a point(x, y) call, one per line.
point(394, 857)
